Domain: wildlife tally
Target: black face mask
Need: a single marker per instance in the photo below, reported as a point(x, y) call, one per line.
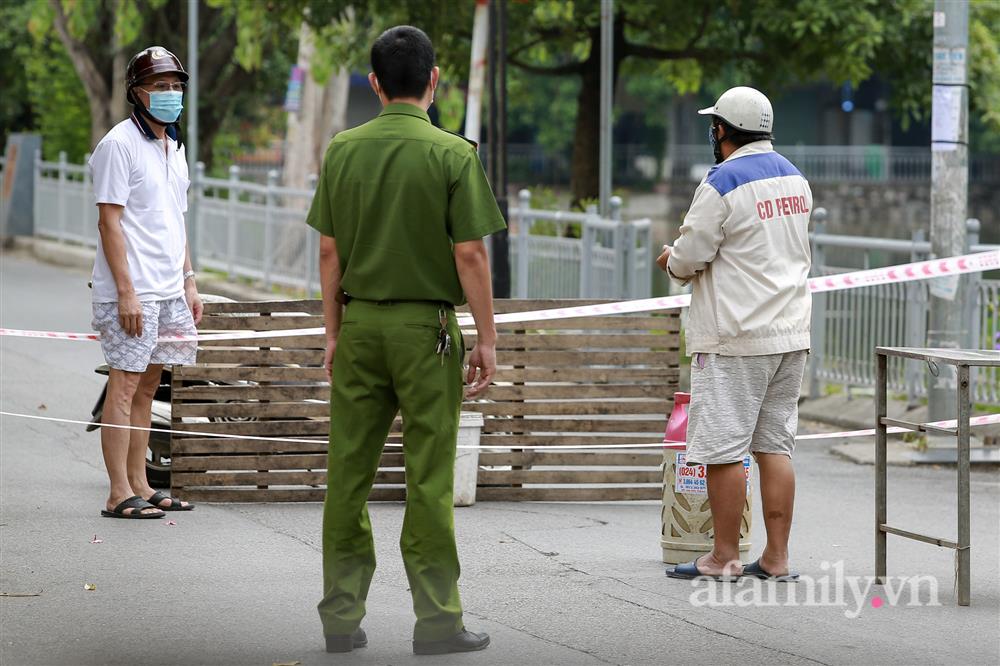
point(716, 144)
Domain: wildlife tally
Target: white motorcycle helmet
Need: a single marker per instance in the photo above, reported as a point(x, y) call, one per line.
point(746, 109)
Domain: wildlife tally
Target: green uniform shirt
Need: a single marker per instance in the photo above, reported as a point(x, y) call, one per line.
point(397, 193)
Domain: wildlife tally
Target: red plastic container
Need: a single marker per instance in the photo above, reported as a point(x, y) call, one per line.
point(676, 432)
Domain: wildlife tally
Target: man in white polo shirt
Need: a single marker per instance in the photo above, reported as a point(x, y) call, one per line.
point(744, 246)
point(143, 285)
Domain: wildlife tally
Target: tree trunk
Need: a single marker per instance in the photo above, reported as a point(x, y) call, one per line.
point(98, 95)
point(322, 113)
point(585, 174)
point(300, 159)
point(120, 107)
point(586, 137)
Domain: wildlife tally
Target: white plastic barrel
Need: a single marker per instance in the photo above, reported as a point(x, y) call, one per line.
point(470, 425)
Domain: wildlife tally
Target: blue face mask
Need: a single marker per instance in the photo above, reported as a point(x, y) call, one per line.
point(166, 106)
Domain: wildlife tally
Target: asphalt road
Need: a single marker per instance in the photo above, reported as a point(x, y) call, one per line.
point(552, 583)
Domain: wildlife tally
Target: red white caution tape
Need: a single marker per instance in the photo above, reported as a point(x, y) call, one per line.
point(920, 270)
point(988, 419)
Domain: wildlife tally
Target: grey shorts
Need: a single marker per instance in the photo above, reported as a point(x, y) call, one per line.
point(742, 404)
point(136, 353)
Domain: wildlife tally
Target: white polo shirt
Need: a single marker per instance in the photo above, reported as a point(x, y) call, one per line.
point(132, 170)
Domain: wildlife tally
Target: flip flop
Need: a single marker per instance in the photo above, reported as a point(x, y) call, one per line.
point(754, 569)
point(138, 504)
point(175, 504)
point(690, 571)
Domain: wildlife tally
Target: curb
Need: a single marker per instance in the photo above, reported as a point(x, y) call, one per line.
point(82, 258)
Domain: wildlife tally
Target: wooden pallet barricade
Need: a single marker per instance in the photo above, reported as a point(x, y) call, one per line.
point(563, 383)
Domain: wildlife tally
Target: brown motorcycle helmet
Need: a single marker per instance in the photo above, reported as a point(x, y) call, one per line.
point(150, 61)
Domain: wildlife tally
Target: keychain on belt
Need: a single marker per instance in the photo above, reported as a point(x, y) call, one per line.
point(443, 347)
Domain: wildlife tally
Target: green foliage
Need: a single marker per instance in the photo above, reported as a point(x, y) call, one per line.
point(41, 92)
point(63, 118)
point(16, 111)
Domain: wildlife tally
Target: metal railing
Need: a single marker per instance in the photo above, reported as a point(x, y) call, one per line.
point(847, 325)
point(248, 230)
point(846, 164)
point(555, 254)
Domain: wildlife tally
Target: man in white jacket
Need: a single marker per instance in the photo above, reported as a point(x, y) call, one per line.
point(744, 246)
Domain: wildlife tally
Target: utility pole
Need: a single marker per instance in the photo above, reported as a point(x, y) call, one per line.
point(192, 133)
point(949, 192)
point(607, 101)
point(496, 162)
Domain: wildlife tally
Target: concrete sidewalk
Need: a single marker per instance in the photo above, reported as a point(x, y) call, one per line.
point(856, 411)
point(237, 585)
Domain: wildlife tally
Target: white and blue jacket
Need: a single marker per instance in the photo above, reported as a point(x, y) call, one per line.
point(744, 246)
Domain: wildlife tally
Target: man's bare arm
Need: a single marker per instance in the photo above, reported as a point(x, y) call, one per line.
point(113, 243)
point(473, 266)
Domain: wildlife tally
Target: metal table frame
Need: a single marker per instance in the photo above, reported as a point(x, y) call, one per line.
point(962, 359)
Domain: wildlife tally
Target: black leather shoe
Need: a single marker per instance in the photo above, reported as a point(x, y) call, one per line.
point(346, 642)
point(463, 641)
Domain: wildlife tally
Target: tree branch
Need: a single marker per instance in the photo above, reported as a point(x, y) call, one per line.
point(655, 53)
point(84, 64)
point(706, 11)
point(559, 70)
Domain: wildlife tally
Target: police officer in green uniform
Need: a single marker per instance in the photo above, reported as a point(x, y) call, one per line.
point(402, 207)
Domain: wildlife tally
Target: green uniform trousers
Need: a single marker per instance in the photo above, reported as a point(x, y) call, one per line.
point(386, 362)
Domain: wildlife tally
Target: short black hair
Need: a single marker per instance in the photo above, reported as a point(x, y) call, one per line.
point(402, 59)
point(740, 137)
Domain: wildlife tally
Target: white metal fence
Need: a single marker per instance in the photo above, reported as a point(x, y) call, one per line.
point(847, 325)
point(555, 253)
point(249, 230)
point(845, 164)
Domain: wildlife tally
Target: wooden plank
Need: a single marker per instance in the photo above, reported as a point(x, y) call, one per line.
point(233, 392)
point(248, 462)
point(233, 373)
point(187, 480)
point(574, 425)
point(534, 494)
point(527, 476)
point(548, 359)
point(253, 356)
point(293, 429)
point(181, 446)
point(285, 342)
point(312, 306)
point(209, 495)
point(250, 355)
point(548, 458)
point(573, 408)
point(514, 441)
point(579, 391)
point(569, 341)
point(608, 323)
point(251, 409)
point(665, 376)
point(258, 323)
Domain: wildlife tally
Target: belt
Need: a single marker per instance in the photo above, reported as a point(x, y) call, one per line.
point(344, 298)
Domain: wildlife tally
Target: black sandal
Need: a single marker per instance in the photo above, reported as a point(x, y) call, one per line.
point(138, 504)
point(175, 504)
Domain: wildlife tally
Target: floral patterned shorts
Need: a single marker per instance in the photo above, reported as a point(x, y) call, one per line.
point(159, 319)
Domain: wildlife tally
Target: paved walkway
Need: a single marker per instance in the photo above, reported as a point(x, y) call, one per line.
point(553, 583)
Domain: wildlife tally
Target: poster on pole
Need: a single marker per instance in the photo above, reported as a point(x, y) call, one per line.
point(946, 117)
